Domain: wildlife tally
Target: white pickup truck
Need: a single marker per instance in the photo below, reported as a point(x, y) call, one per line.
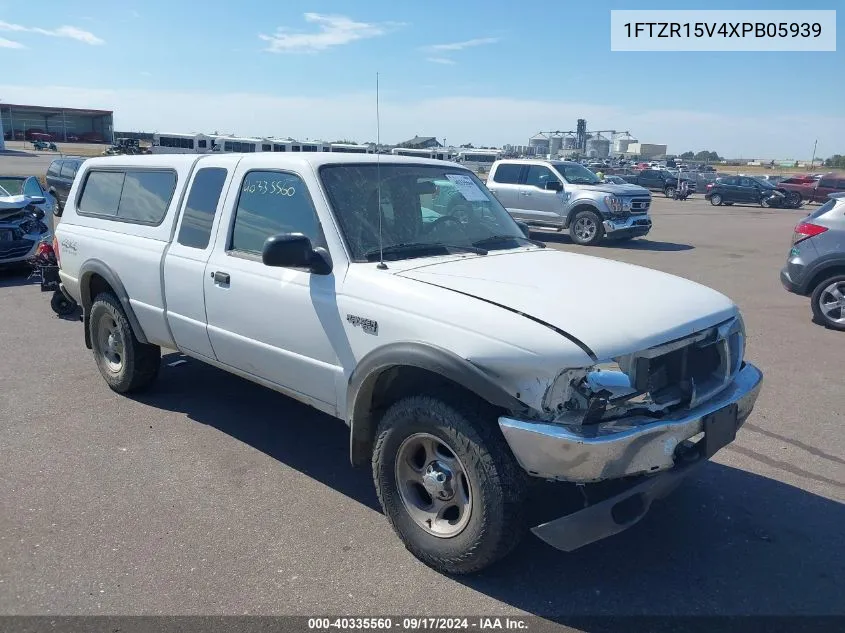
point(466, 358)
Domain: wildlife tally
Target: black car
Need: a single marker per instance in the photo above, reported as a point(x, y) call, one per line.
point(60, 177)
point(659, 180)
point(749, 190)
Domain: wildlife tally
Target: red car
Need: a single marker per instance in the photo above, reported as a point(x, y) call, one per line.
point(812, 190)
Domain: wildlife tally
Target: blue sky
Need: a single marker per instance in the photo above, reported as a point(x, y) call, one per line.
point(470, 71)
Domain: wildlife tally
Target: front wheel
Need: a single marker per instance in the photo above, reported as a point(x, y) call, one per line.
point(793, 199)
point(448, 483)
point(828, 302)
point(716, 199)
point(669, 192)
point(586, 228)
point(125, 363)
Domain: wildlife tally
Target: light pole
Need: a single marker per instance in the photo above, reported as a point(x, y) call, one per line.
point(813, 160)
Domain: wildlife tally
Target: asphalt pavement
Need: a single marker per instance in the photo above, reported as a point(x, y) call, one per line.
point(211, 495)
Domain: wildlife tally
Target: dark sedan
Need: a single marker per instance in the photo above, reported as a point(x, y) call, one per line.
point(749, 190)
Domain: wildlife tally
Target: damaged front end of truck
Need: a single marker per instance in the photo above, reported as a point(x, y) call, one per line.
point(647, 417)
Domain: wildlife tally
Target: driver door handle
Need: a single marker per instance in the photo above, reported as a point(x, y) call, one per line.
point(220, 277)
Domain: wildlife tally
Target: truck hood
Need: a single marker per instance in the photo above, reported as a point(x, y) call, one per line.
point(609, 307)
point(619, 190)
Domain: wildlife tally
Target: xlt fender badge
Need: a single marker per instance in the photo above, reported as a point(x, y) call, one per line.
point(368, 325)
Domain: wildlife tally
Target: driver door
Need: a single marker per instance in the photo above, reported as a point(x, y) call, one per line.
point(268, 321)
point(541, 204)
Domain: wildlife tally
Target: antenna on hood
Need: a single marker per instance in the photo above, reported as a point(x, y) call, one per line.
point(381, 264)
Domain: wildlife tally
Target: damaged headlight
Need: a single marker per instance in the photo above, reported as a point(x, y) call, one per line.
point(587, 392)
point(682, 372)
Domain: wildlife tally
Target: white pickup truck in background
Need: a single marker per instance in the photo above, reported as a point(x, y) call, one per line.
point(465, 357)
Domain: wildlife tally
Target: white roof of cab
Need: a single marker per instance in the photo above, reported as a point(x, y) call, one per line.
point(278, 160)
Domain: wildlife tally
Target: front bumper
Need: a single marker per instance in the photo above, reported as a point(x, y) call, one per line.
point(597, 453)
point(12, 254)
point(613, 515)
point(632, 226)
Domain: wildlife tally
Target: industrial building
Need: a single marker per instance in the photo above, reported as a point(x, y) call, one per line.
point(20, 122)
point(646, 150)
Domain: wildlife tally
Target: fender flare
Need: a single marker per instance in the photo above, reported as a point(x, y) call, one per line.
point(95, 266)
point(438, 360)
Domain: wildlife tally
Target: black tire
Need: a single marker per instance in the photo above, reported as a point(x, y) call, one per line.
point(138, 362)
point(586, 239)
point(793, 199)
point(716, 199)
point(61, 305)
point(669, 192)
point(815, 303)
point(496, 482)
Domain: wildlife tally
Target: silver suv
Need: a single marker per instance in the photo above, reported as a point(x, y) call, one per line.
point(566, 195)
point(815, 266)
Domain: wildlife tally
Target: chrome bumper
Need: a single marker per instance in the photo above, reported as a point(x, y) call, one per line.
point(600, 452)
point(632, 224)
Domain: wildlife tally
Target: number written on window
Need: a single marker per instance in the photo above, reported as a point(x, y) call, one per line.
point(269, 187)
point(271, 203)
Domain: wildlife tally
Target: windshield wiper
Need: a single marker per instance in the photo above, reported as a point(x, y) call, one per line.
point(498, 239)
point(411, 247)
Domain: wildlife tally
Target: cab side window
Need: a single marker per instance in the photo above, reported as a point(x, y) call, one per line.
point(198, 217)
point(539, 175)
point(269, 203)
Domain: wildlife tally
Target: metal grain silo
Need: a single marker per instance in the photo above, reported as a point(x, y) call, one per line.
point(540, 142)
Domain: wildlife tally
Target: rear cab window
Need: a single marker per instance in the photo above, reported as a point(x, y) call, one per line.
point(507, 174)
point(136, 196)
point(55, 168)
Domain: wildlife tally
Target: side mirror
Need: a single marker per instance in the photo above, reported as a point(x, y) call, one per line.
point(526, 230)
point(553, 185)
point(294, 250)
point(38, 199)
point(57, 210)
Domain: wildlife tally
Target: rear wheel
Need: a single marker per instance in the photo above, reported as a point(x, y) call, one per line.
point(586, 228)
point(448, 483)
point(828, 302)
point(793, 199)
point(669, 191)
point(716, 199)
point(125, 363)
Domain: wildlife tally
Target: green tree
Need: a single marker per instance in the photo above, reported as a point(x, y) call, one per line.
point(708, 156)
point(837, 160)
point(687, 155)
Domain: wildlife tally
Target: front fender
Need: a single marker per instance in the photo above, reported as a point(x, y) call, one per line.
point(364, 378)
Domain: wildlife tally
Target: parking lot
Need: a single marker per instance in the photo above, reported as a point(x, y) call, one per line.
point(209, 494)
